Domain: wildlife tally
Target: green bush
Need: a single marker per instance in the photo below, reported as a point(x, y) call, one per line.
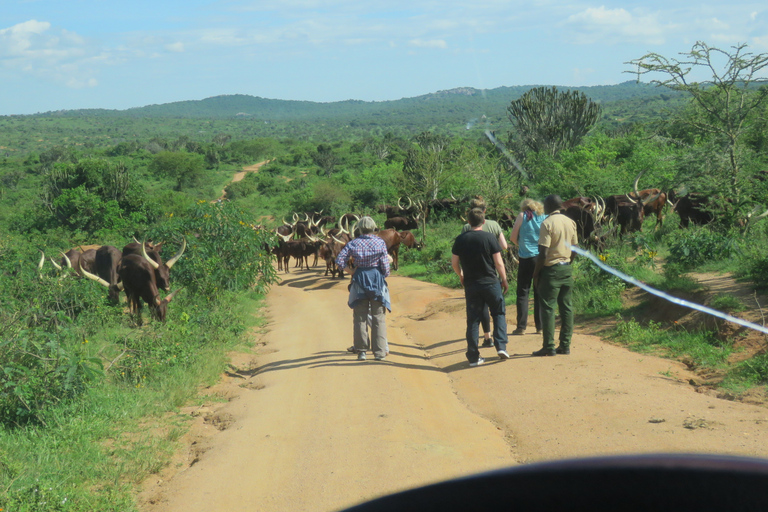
point(224, 251)
point(698, 245)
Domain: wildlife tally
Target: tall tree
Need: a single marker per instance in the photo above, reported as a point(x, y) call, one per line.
point(726, 102)
point(548, 120)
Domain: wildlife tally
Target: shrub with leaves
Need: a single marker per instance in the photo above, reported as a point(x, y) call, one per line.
point(225, 250)
point(695, 246)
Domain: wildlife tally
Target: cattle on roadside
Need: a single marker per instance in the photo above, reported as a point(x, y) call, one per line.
point(162, 270)
point(107, 263)
point(692, 208)
point(139, 282)
point(654, 201)
point(408, 240)
point(402, 223)
point(392, 239)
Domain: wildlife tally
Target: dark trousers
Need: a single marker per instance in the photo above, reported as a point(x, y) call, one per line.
point(524, 281)
point(556, 290)
point(477, 297)
point(485, 321)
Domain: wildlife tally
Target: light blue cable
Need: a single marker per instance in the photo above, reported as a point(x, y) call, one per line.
point(665, 296)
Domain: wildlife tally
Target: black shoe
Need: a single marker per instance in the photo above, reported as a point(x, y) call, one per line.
point(487, 344)
point(563, 350)
point(544, 352)
point(518, 332)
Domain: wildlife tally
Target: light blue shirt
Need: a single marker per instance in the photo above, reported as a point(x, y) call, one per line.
point(528, 236)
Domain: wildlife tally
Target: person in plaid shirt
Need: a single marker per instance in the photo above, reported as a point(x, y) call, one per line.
point(368, 293)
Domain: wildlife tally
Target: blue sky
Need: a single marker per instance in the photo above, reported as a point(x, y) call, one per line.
point(70, 54)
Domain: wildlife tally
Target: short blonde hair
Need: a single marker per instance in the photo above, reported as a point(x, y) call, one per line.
point(532, 205)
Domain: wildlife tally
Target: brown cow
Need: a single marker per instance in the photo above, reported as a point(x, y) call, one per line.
point(392, 239)
point(407, 239)
point(654, 201)
point(108, 259)
point(139, 281)
point(162, 270)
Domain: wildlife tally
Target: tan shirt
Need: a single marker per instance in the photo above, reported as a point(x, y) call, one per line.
point(558, 234)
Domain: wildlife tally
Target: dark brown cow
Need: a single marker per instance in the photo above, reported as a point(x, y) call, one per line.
point(329, 252)
point(392, 239)
point(402, 223)
point(139, 281)
point(692, 208)
point(627, 213)
point(74, 259)
point(162, 270)
point(107, 263)
point(654, 201)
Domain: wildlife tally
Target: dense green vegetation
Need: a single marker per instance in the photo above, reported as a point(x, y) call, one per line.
point(80, 383)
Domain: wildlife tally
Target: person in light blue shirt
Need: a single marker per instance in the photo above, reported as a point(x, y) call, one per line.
point(525, 235)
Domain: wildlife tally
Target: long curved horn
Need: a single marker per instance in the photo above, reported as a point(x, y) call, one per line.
point(135, 240)
point(92, 276)
point(173, 260)
point(42, 261)
point(634, 185)
point(66, 258)
point(354, 227)
point(410, 203)
point(337, 240)
point(56, 265)
point(152, 262)
point(168, 298)
point(341, 225)
point(398, 203)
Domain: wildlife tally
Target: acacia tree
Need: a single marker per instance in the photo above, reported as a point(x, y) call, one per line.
point(726, 102)
point(548, 120)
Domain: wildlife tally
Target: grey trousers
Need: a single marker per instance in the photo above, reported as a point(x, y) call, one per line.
point(378, 338)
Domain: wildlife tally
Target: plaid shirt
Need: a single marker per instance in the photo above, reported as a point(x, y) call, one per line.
point(368, 251)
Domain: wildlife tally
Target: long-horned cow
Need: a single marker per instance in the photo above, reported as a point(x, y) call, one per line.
point(162, 270)
point(139, 280)
point(392, 239)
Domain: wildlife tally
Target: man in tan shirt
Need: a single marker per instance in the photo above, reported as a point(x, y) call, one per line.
point(553, 276)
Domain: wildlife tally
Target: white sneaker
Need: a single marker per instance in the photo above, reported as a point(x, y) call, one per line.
point(503, 354)
point(361, 356)
point(479, 361)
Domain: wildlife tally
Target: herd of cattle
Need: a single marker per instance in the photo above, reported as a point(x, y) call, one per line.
point(596, 219)
point(138, 270)
point(301, 239)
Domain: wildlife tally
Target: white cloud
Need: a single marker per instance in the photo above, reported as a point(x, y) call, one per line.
point(177, 47)
point(595, 25)
point(34, 47)
point(432, 43)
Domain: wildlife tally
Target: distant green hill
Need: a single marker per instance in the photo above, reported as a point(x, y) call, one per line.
point(461, 105)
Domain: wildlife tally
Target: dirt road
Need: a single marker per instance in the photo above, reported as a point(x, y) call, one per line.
point(310, 428)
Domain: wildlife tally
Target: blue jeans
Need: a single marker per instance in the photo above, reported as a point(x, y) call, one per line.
point(477, 297)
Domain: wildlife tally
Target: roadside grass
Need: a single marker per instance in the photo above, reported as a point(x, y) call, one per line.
point(90, 453)
point(702, 347)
